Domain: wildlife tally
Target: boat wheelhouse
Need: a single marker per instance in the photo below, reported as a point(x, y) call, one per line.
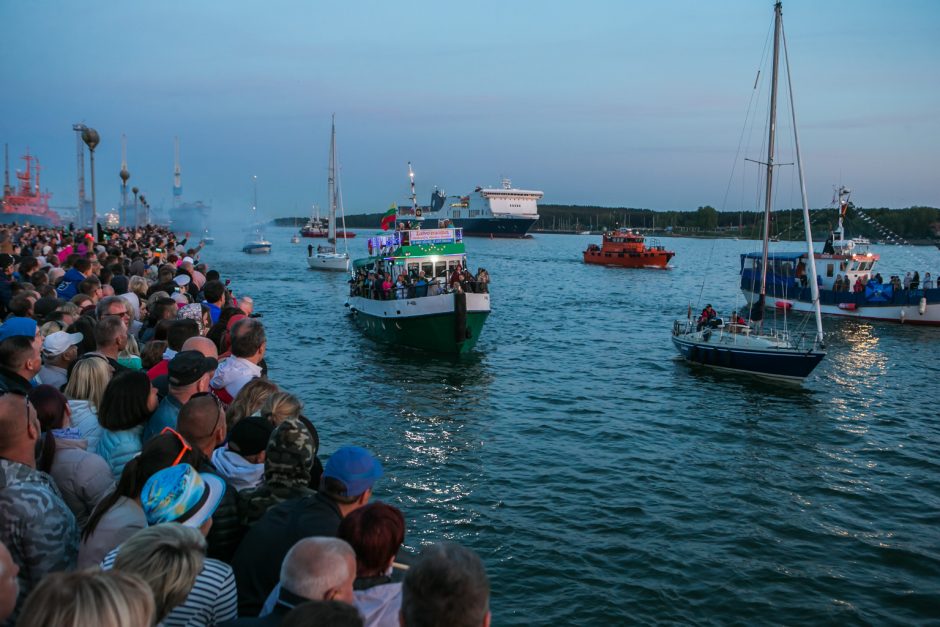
point(413, 290)
point(628, 249)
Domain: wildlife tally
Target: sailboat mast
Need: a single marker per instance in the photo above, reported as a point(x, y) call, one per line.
point(769, 191)
point(807, 229)
point(331, 184)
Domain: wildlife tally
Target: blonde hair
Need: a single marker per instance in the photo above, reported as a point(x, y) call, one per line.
point(69, 309)
point(52, 327)
point(89, 378)
point(139, 286)
point(249, 399)
point(280, 406)
point(131, 349)
point(168, 557)
point(89, 597)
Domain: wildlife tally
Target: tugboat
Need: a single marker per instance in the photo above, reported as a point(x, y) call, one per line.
point(627, 248)
point(413, 289)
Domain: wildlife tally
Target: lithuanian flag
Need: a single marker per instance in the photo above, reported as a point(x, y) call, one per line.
point(389, 218)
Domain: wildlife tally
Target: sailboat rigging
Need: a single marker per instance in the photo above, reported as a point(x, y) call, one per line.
point(737, 345)
point(327, 257)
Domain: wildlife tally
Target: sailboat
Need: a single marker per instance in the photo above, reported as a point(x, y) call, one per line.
point(327, 257)
point(743, 347)
point(255, 242)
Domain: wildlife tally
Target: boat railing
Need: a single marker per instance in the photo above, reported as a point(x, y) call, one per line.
point(411, 291)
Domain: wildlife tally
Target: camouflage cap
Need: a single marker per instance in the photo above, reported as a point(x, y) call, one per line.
point(290, 453)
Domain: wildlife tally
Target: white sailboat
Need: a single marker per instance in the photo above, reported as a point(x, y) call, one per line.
point(749, 348)
point(255, 241)
point(327, 257)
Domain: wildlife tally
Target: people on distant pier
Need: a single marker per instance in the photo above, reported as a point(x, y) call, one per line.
point(928, 282)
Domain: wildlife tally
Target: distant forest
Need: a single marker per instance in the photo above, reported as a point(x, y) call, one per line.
point(915, 224)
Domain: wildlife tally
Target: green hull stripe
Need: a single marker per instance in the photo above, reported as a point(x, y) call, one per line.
point(433, 333)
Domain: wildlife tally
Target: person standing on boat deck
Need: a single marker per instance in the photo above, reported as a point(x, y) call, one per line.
point(915, 282)
point(928, 282)
point(907, 281)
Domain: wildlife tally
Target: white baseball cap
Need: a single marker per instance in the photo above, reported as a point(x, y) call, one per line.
point(57, 343)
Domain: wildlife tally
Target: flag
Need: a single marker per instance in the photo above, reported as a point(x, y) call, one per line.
point(388, 218)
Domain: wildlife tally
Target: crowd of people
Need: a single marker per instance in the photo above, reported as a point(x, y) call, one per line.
point(151, 472)
point(378, 283)
point(909, 282)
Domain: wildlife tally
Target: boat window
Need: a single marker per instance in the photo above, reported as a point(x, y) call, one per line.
point(440, 269)
point(830, 268)
point(842, 266)
point(428, 268)
point(455, 214)
point(413, 269)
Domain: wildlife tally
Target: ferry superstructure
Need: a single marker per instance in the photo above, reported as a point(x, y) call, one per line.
point(489, 211)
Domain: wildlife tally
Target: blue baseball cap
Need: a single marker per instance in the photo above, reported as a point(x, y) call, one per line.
point(18, 326)
point(355, 467)
point(180, 494)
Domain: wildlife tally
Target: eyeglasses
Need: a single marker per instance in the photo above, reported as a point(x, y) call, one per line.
point(218, 405)
point(186, 447)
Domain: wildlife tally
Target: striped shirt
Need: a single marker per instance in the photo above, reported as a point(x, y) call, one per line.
point(212, 600)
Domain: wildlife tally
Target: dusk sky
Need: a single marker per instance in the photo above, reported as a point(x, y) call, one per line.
point(613, 103)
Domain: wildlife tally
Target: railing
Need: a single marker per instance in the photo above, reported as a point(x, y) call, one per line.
point(413, 290)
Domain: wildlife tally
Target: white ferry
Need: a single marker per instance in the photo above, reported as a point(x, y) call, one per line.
point(488, 212)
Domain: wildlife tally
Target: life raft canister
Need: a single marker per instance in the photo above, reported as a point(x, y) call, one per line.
point(784, 304)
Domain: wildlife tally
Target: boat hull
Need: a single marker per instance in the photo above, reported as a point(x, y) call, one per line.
point(431, 323)
point(495, 227)
point(30, 218)
point(771, 363)
point(854, 305)
point(324, 234)
point(651, 259)
point(256, 249)
point(332, 263)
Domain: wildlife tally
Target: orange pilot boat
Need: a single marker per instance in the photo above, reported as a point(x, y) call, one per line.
point(627, 248)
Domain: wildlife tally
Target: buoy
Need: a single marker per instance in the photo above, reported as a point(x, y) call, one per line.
point(922, 306)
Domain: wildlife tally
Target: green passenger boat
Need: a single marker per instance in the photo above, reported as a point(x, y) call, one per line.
point(436, 306)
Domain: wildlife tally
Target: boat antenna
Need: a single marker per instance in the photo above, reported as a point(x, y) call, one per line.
point(808, 231)
point(177, 173)
point(414, 196)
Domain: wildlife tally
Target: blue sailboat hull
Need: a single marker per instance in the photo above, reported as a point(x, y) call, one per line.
point(783, 364)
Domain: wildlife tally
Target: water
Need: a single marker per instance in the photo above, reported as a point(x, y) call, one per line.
point(601, 479)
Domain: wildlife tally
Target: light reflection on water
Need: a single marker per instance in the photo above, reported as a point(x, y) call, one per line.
point(584, 461)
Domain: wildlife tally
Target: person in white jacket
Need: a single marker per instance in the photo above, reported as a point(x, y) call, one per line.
point(248, 347)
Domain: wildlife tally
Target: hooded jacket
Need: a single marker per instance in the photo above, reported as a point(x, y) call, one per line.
point(119, 447)
point(238, 471)
point(35, 525)
point(68, 287)
point(232, 375)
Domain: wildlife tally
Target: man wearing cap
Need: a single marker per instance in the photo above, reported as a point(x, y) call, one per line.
point(6, 281)
point(59, 351)
point(20, 357)
point(188, 373)
point(346, 486)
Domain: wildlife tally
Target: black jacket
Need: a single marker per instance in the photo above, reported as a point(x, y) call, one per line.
point(12, 382)
point(257, 562)
point(226, 531)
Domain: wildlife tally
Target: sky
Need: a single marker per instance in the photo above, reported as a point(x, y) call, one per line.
point(638, 104)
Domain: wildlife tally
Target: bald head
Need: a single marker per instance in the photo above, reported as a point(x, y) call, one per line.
point(320, 569)
point(202, 344)
point(202, 422)
point(19, 429)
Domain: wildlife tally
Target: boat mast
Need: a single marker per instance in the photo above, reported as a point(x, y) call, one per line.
point(768, 192)
point(414, 197)
point(331, 184)
point(807, 229)
point(177, 174)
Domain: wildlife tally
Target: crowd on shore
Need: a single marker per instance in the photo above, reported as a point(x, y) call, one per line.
point(151, 472)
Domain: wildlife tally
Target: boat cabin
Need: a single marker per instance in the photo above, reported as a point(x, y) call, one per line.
point(787, 271)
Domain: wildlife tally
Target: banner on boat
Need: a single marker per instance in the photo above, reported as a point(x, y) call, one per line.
point(431, 235)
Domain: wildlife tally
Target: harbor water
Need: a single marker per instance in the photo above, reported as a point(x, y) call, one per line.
point(604, 481)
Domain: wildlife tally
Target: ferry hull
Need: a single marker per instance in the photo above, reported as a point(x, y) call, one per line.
point(431, 323)
point(23, 218)
point(495, 227)
point(655, 259)
point(906, 312)
point(767, 363)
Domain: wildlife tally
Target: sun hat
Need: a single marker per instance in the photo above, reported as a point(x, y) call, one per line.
point(182, 495)
point(355, 467)
point(57, 343)
point(18, 326)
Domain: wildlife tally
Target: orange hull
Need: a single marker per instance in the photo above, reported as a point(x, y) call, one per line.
point(655, 259)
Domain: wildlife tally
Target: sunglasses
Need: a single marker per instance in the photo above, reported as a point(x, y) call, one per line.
point(218, 405)
point(186, 447)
